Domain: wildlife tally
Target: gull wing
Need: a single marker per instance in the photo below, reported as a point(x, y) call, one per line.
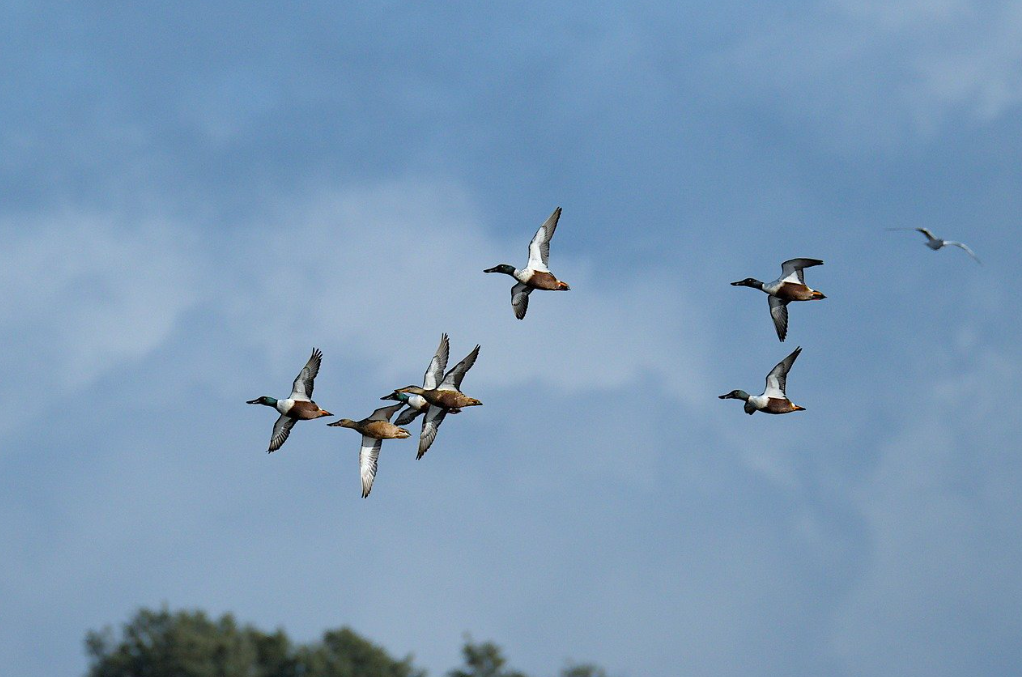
point(964, 246)
point(435, 370)
point(454, 377)
point(302, 388)
point(281, 429)
point(779, 311)
point(367, 458)
point(520, 299)
point(539, 248)
point(778, 376)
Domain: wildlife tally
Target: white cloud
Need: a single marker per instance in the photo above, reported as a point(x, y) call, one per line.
point(85, 294)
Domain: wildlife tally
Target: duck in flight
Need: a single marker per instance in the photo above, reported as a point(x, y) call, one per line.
point(773, 400)
point(444, 399)
point(417, 404)
point(537, 274)
point(376, 428)
point(790, 286)
point(935, 243)
point(299, 406)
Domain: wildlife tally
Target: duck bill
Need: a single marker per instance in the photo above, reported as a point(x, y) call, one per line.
point(392, 396)
point(491, 270)
point(255, 401)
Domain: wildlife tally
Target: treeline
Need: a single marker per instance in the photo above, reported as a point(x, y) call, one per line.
point(191, 644)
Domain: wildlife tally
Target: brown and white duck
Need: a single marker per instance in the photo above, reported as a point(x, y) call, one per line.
point(299, 406)
point(790, 286)
point(446, 398)
point(773, 400)
point(376, 428)
point(536, 275)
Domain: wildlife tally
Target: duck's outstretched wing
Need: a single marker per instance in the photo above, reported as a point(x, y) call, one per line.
point(435, 370)
point(454, 377)
point(792, 268)
point(367, 458)
point(777, 378)
point(407, 416)
point(929, 236)
point(779, 312)
point(539, 248)
point(520, 299)
point(281, 429)
point(302, 388)
point(952, 243)
point(430, 426)
point(384, 413)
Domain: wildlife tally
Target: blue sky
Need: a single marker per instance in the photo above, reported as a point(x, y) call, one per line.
point(194, 197)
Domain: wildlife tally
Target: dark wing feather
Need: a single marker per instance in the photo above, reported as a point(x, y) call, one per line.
point(302, 388)
point(454, 377)
point(435, 370)
point(430, 426)
point(520, 299)
point(281, 429)
point(779, 311)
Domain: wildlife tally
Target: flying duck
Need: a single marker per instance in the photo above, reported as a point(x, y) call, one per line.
point(536, 275)
point(376, 428)
point(790, 286)
point(446, 398)
point(935, 243)
point(417, 404)
point(299, 406)
point(773, 400)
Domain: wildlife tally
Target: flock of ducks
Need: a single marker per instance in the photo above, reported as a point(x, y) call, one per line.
point(440, 393)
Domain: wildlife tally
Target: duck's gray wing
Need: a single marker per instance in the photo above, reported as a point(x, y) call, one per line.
point(435, 370)
point(520, 299)
point(539, 248)
point(454, 377)
point(407, 416)
point(430, 426)
point(795, 266)
point(281, 429)
point(964, 246)
point(778, 376)
point(779, 312)
point(302, 388)
point(384, 413)
point(367, 458)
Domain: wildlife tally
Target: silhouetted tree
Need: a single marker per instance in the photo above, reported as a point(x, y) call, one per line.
point(189, 644)
point(483, 660)
point(583, 670)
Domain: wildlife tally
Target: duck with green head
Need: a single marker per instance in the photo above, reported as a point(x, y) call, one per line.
point(536, 274)
point(298, 407)
point(773, 400)
point(374, 429)
point(790, 286)
point(446, 398)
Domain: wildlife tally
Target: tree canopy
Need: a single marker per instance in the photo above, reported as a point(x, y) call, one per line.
point(191, 644)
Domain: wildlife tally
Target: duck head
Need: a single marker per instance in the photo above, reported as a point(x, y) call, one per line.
point(268, 401)
point(343, 423)
point(735, 395)
point(502, 268)
point(748, 282)
point(397, 396)
point(414, 390)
